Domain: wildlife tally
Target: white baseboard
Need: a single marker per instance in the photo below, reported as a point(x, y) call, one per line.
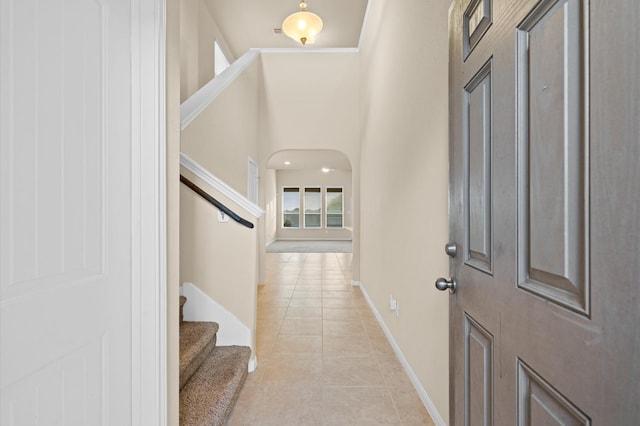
point(314, 239)
point(232, 332)
point(429, 405)
point(253, 364)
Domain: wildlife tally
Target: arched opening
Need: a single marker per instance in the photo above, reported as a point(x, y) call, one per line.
point(309, 202)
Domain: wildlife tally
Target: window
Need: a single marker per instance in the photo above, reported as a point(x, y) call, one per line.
point(291, 207)
point(220, 61)
point(312, 208)
point(335, 208)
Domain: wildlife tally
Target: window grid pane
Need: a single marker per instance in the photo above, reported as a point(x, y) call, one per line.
point(334, 221)
point(335, 208)
point(291, 207)
point(312, 208)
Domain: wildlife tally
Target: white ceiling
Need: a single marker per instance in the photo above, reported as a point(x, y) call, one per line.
point(247, 24)
point(309, 159)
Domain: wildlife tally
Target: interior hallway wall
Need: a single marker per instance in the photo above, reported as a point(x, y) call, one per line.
point(219, 257)
point(173, 207)
point(221, 139)
point(310, 100)
point(404, 180)
point(198, 32)
point(225, 134)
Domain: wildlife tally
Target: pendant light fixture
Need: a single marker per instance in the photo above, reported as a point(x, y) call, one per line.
point(302, 26)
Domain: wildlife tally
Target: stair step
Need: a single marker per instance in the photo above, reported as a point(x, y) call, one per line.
point(209, 397)
point(197, 340)
point(183, 300)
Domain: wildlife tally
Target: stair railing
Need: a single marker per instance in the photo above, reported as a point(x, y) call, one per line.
point(224, 209)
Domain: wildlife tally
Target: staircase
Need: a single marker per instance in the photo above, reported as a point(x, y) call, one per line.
point(211, 376)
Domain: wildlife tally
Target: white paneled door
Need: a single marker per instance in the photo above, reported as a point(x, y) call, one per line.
point(70, 242)
point(545, 212)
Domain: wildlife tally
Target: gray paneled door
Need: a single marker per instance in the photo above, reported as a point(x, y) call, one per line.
point(545, 212)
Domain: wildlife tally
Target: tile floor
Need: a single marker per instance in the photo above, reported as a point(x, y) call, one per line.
point(322, 357)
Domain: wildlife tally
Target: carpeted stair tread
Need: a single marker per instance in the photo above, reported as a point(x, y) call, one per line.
point(197, 340)
point(209, 397)
point(183, 300)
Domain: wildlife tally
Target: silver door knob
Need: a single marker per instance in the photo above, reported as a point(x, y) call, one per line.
point(443, 284)
point(451, 249)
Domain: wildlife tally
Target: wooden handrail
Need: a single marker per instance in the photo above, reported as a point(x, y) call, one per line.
point(201, 192)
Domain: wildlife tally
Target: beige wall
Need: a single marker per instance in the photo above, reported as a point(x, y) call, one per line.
point(224, 135)
point(205, 46)
point(404, 180)
point(314, 178)
point(198, 32)
point(309, 101)
point(173, 207)
point(219, 258)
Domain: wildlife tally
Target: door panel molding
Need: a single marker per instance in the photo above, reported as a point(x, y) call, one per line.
point(48, 190)
point(478, 181)
point(478, 365)
point(477, 20)
point(540, 403)
point(553, 144)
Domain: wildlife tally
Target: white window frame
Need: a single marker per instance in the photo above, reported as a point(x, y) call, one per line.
point(304, 207)
point(220, 61)
point(253, 181)
point(326, 209)
point(282, 211)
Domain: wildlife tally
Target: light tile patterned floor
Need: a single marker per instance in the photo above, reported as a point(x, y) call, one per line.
point(322, 357)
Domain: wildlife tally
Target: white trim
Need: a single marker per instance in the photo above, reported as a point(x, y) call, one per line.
point(219, 185)
point(148, 213)
point(253, 163)
point(253, 364)
point(429, 405)
point(201, 307)
point(193, 106)
point(365, 21)
point(304, 50)
point(312, 238)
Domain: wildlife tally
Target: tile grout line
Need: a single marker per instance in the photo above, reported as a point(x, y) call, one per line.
point(327, 277)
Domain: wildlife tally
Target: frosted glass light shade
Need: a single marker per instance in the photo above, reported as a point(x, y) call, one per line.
point(302, 26)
